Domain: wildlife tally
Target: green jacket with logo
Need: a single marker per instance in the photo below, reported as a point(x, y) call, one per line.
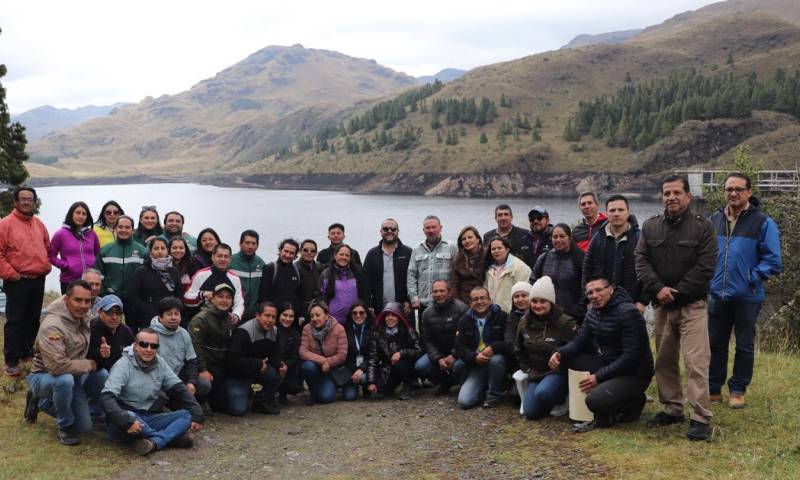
point(117, 261)
point(249, 271)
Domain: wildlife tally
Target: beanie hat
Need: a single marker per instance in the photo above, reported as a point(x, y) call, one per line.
point(521, 287)
point(544, 289)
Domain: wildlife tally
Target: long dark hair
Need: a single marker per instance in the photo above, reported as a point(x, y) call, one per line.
point(489, 258)
point(330, 272)
point(69, 221)
point(200, 235)
point(369, 319)
point(140, 230)
point(575, 253)
point(101, 219)
point(288, 306)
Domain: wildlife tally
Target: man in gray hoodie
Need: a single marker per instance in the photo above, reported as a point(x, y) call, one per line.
point(131, 400)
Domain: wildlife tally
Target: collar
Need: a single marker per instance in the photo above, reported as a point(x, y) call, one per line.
point(730, 218)
point(609, 233)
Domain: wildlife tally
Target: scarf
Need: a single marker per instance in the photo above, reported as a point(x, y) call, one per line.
point(343, 272)
point(391, 332)
point(162, 266)
point(320, 334)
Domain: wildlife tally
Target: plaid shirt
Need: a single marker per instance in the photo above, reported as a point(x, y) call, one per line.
point(427, 265)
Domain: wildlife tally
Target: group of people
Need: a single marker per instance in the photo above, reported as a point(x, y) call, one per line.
point(156, 328)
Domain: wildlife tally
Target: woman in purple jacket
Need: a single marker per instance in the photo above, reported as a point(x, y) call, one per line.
point(342, 283)
point(74, 247)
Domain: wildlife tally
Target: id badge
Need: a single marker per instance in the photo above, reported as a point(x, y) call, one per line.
point(359, 360)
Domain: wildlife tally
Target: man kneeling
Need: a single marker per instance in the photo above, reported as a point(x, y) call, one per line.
point(131, 394)
point(613, 346)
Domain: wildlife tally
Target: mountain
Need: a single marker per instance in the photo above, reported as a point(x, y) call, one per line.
point(446, 75)
point(586, 40)
point(43, 120)
point(195, 130)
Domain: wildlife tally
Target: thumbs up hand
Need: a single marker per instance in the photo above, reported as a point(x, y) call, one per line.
point(105, 348)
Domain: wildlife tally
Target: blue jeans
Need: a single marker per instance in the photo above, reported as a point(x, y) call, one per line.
point(542, 396)
point(68, 397)
point(350, 390)
point(722, 318)
point(483, 381)
point(239, 391)
point(320, 385)
point(162, 428)
point(425, 368)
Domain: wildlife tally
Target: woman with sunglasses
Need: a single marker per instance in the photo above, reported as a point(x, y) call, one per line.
point(149, 225)
point(154, 280)
point(107, 223)
point(74, 247)
point(360, 328)
point(310, 271)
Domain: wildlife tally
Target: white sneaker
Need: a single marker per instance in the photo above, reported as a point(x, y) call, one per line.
point(560, 410)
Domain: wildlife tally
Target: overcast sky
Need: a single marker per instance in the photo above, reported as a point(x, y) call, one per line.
point(74, 53)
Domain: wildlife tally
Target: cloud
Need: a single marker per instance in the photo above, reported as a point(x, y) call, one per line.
point(70, 54)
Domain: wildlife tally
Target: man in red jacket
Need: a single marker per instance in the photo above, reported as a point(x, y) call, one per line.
point(23, 266)
point(593, 220)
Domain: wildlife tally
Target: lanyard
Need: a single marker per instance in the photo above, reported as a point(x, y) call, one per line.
point(359, 338)
point(480, 323)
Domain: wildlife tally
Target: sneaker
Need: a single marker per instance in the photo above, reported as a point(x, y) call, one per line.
point(736, 400)
point(13, 370)
point(715, 397)
point(583, 427)
point(267, 408)
point(560, 410)
point(67, 438)
point(184, 441)
point(490, 403)
point(663, 419)
point(31, 407)
point(405, 393)
point(144, 446)
point(698, 430)
point(283, 399)
point(309, 401)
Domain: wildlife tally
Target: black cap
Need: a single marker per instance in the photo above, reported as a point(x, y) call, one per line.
point(538, 212)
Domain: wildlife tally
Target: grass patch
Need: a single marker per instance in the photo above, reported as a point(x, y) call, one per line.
point(761, 441)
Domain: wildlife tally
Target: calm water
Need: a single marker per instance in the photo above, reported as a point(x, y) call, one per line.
point(276, 214)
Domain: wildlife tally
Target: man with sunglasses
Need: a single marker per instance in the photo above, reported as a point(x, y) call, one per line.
point(749, 254)
point(386, 268)
point(132, 400)
point(538, 239)
point(310, 271)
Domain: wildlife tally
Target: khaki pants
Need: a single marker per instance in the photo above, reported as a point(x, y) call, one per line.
point(684, 329)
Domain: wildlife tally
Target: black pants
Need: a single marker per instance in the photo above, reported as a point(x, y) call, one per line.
point(400, 372)
point(622, 394)
point(292, 384)
point(23, 309)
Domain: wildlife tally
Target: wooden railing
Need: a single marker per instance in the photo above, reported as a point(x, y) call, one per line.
point(768, 181)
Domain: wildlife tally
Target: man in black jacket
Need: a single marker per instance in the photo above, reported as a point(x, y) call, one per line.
point(613, 346)
point(336, 236)
point(281, 282)
point(310, 271)
point(254, 357)
point(481, 347)
point(438, 328)
point(538, 240)
point(675, 259)
point(515, 235)
point(386, 269)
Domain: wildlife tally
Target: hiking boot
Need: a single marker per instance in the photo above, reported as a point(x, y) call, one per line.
point(605, 421)
point(560, 410)
point(144, 446)
point(736, 400)
point(31, 407)
point(13, 370)
point(66, 437)
point(715, 397)
point(663, 419)
point(184, 441)
point(698, 430)
point(583, 427)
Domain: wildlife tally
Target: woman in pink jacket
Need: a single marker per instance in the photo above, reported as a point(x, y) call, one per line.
point(323, 351)
point(74, 246)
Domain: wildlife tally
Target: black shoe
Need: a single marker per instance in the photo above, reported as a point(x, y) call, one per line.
point(490, 403)
point(31, 407)
point(698, 430)
point(267, 408)
point(405, 393)
point(583, 427)
point(605, 420)
point(663, 419)
point(282, 399)
point(184, 441)
point(206, 408)
point(443, 389)
point(309, 401)
point(144, 446)
point(67, 438)
point(629, 416)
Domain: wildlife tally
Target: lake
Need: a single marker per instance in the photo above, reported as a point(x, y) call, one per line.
point(276, 214)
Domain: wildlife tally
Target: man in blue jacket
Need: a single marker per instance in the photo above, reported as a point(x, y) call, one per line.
point(749, 253)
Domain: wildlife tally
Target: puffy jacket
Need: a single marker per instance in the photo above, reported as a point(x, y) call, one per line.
point(117, 262)
point(680, 253)
point(333, 348)
point(748, 255)
point(211, 335)
point(564, 268)
point(73, 254)
point(359, 342)
point(105, 235)
point(249, 269)
point(62, 342)
point(517, 237)
point(538, 337)
point(464, 276)
point(383, 346)
point(438, 327)
point(309, 280)
point(373, 271)
point(427, 265)
point(146, 290)
point(281, 282)
point(24, 243)
point(617, 335)
point(582, 232)
point(250, 345)
point(467, 338)
point(499, 286)
point(118, 339)
point(614, 261)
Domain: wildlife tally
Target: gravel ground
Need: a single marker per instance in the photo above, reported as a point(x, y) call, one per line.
point(427, 437)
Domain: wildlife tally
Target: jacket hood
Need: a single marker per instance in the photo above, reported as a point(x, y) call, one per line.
point(59, 307)
point(634, 222)
point(620, 295)
point(395, 308)
point(128, 352)
point(160, 328)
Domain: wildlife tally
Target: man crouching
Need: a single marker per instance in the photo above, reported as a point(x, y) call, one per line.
point(130, 399)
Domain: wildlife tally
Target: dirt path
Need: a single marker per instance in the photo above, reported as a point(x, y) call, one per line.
point(427, 437)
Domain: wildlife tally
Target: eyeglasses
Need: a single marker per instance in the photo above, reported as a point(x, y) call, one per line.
point(26, 200)
point(736, 189)
point(480, 299)
point(309, 250)
point(148, 208)
point(142, 344)
point(389, 229)
point(359, 312)
point(111, 212)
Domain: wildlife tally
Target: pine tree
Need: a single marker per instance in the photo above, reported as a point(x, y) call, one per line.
point(483, 138)
point(536, 136)
point(12, 151)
